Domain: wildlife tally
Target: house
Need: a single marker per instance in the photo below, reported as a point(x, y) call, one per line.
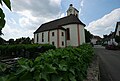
point(66, 31)
point(96, 39)
point(110, 39)
point(117, 29)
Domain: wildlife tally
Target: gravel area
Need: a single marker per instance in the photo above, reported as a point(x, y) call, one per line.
point(93, 70)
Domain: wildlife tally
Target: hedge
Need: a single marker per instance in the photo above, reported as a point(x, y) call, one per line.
point(23, 50)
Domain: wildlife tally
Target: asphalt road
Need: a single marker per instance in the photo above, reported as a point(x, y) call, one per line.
point(109, 61)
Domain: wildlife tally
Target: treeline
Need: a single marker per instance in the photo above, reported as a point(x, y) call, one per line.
point(23, 40)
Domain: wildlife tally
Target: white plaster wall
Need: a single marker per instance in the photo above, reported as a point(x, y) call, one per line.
point(35, 38)
point(40, 38)
point(82, 34)
point(53, 38)
point(117, 33)
point(62, 38)
point(73, 35)
point(45, 37)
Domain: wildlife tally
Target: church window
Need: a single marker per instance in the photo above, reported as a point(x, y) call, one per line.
point(53, 43)
point(52, 33)
point(76, 15)
point(68, 33)
point(119, 33)
point(62, 33)
point(42, 37)
point(62, 43)
point(37, 38)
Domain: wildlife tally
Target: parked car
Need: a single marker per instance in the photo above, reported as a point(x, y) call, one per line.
point(111, 47)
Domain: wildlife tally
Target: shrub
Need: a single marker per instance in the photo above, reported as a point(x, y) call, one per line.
point(63, 64)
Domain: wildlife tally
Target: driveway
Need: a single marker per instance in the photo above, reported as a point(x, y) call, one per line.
point(109, 64)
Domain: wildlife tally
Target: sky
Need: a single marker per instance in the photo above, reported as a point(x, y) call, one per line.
point(100, 16)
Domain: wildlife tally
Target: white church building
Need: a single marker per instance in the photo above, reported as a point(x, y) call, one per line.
point(66, 31)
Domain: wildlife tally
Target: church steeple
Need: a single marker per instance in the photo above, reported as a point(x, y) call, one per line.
point(72, 10)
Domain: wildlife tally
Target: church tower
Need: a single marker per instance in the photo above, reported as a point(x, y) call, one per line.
point(72, 11)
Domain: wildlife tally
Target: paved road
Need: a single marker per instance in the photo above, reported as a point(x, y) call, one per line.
point(109, 64)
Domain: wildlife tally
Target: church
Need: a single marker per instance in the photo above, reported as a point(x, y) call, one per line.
point(63, 32)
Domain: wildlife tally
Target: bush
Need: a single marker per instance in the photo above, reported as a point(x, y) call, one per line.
point(63, 64)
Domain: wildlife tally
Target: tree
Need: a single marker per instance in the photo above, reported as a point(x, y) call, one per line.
point(2, 15)
point(11, 41)
point(2, 41)
point(23, 40)
point(88, 36)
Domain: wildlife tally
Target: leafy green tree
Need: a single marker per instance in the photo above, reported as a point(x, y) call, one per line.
point(88, 36)
point(2, 15)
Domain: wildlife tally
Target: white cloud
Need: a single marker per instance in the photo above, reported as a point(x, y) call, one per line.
point(12, 21)
point(62, 15)
point(82, 3)
point(106, 24)
point(38, 10)
point(55, 2)
point(16, 31)
point(81, 6)
point(24, 22)
point(30, 15)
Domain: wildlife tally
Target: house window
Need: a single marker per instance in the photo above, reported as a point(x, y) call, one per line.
point(52, 33)
point(68, 33)
point(37, 38)
point(76, 15)
point(42, 40)
point(62, 33)
point(48, 36)
point(42, 37)
point(119, 33)
point(62, 43)
point(53, 43)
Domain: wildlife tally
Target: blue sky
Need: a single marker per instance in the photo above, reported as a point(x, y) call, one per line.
point(100, 16)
